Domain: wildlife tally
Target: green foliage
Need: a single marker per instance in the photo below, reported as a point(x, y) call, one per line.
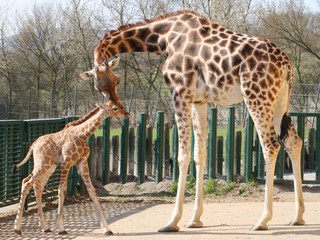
point(245, 188)
point(226, 188)
point(210, 186)
point(174, 187)
point(191, 185)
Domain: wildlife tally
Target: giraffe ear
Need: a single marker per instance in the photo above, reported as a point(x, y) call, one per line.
point(87, 75)
point(114, 63)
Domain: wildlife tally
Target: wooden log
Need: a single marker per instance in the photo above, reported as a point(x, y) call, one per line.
point(114, 156)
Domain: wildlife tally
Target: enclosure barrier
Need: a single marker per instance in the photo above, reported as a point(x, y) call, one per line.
point(236, 154)
point(15, 138)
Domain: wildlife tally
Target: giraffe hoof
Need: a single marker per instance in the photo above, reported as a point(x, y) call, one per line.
point(169, 229)
point(64, 232)
point(198, 224)
point(108, 233)
point(47, 230)
point(259, 227)
point(17, 232)
point(297, 222)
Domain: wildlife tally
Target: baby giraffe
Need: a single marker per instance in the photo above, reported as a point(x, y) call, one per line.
point(65, 148)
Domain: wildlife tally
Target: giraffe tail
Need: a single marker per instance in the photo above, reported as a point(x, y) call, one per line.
point(16, 166)
point(286, 119)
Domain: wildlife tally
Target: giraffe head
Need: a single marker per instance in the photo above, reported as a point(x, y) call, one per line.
point(113, 109)
point(105, 80)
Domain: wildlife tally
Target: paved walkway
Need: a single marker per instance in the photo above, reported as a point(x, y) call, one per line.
point(136, 220)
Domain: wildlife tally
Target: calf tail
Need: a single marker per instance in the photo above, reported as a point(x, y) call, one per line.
point(16, 166)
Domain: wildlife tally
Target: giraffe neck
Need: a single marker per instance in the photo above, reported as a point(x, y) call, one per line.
point(83, 119)
point(87, 128)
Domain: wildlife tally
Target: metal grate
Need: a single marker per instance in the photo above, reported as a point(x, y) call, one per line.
point(15, 139)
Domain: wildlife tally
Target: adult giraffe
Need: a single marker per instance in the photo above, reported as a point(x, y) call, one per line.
point(206, 63)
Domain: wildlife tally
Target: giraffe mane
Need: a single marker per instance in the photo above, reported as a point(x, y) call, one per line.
point(125, 27)
point(83, 119)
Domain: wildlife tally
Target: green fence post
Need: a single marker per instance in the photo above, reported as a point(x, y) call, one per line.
point(192, 164)
point(301, 128)
point(131, 151)
point(24, 171)
point(106, 151)
point(141, 151)
point(149, 151)
point(212, 148)
point(124, 150)
point(230, 144)
point(260, 162)
point(280, 163)
point(175, 149)
point(248, 148)
point(166, 143)
point(220, 155)
point(237, 148)
point(318, 148)
point(160, 146)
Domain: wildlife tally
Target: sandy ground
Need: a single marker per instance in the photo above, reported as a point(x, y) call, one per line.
point(137, 212)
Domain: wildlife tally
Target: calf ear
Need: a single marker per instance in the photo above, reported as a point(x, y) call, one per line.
point(114, 63)
point(87, 75)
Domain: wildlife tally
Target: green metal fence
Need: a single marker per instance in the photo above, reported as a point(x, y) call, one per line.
point(238, 159)
point(15, 138)
point(11, 140)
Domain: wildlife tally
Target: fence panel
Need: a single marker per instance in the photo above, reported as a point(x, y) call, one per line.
point(15, 139)
point(11, 140)
point(309, 175)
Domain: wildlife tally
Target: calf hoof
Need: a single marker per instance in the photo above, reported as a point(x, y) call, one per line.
point(169, 229)
point(17, 232)
point(47, 230)
point(108, 233)
point(64, 232)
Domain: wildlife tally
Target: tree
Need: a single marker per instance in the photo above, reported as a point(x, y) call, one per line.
point(232, 14)
point(295, 29)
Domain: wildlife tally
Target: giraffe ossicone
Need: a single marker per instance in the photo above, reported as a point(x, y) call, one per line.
point(207, 63)
point(65, 149)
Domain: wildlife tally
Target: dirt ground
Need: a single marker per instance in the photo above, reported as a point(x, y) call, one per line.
point(138, 211)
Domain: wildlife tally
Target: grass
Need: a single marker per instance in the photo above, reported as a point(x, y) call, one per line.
point(210, 187)
point(174, 187)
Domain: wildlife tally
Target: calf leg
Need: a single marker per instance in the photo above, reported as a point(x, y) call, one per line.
point(27, 184)
point(64, 172)
point(38, 190)
point(84, 172)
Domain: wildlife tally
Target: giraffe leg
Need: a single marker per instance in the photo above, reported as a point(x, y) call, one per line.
point(27, 184)
point(271, 148)
point(38, 190)
point(183, 120)
point(62, 193)
point(200, 138)
point(84, 172)
point(263, 118)
point(293, 146)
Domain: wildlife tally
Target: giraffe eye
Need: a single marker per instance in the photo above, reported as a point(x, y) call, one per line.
point(115, 108)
